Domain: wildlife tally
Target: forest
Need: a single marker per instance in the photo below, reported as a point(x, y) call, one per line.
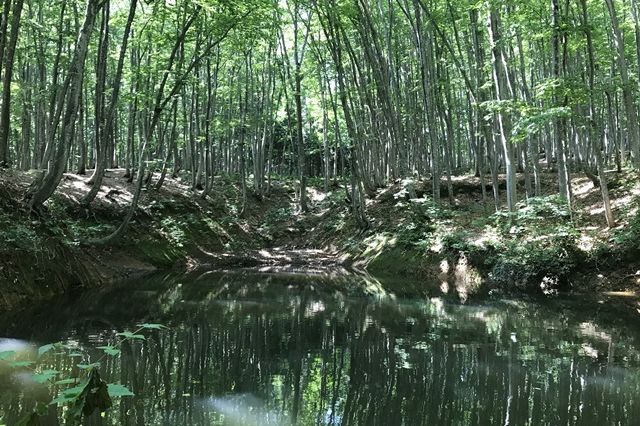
point(363, 91)
point(474, 109)
point(463, 150)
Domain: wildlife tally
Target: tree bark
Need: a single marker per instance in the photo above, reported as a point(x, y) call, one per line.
point(631, 112)
point(9, 55)
point(44, 188)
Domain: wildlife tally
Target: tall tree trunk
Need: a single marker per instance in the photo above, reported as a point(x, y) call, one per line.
point(631, 113)
point(110, 116)
point(560, 123)
point(5, 116)
point(499, 81)
point(161, 100)
point(43, 188)
point(595, 132)
point(4, 24)
point(330, 25)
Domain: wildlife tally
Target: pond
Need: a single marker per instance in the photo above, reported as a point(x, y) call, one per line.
point(247, 348)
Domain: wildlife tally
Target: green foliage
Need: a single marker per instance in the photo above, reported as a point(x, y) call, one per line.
point(5, 355)
point(152, 326)
point(45, 376)
point(409, 234)
point(426, 210)
point(537, 215)
point(110, 350)
point(273, 221)
point(81, 396)
point(537, 120)
point(130, 335)
point(457, 242)
point(624, 244)
point(278, 215)
point(87, 230)
point(537, 244)
point(531, 264)
point(118, 390)
point(501, 107)
point(45, 348)
point(174, 229)
point(84, 399)
point(18, 234)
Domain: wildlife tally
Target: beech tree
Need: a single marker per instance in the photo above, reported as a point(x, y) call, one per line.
point(348, 91)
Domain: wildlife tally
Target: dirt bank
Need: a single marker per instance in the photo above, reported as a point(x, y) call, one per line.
point(544, 247)
point(174, 228)
point(460, 245)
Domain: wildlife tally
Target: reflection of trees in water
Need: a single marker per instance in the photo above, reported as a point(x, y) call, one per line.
point(314, 361)
point(367, 364)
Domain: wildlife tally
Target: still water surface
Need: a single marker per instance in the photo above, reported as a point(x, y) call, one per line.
point(270, 349)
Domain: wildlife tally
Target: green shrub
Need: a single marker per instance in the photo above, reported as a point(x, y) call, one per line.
point(18, 234)
point(527, 265)
point(625, 241)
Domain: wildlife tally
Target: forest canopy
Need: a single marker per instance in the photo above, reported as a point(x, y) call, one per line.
point(367, 91)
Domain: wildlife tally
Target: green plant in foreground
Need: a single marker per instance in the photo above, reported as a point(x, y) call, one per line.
point(81, 396)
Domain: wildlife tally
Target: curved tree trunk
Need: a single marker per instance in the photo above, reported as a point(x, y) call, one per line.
point(107, 131)
point(46, 187)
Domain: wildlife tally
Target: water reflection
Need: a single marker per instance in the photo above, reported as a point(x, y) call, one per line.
point(245, 410)
point(267, 349)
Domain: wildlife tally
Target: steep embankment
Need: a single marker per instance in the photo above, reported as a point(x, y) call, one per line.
point(173, 228)
point(466, 247)
point(459, 245)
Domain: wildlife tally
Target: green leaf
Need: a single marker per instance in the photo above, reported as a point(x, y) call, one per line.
point(94, 397)
point(116, 390)
point(44, 375)
point(45, 348)
point(151, 326)
point(20, 363)
point(110, 350)
point(85, 399)
point(5, 355)
point(70, 394)
point(130, 335)
point(88, 366)
point(67, 381)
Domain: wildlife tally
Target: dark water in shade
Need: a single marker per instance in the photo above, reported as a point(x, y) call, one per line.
point(265, 349)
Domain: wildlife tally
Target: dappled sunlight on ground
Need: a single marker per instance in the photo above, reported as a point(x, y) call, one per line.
point(587, 242)
point(376, 244)
point(624, 189)
point(315, 195)
point(114, 188)
point(489, 236)
point(582, 188)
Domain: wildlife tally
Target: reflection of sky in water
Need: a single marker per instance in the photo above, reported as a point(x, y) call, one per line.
point(14, 345)
point(286, 353)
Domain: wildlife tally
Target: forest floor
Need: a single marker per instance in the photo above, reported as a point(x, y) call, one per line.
point(461, 245)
